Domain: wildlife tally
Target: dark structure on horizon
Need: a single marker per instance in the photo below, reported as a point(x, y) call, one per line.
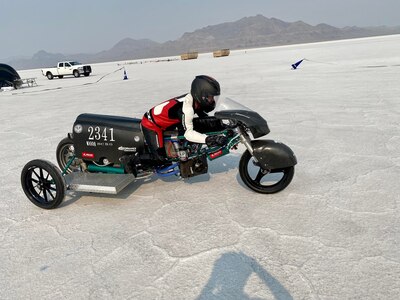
point(9, 77)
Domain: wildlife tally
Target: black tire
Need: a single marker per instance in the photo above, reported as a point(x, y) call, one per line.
point(61, 76)
point(263, 181)
point(76, 73)
point(43, 184)
point(65, 151)
point(86, 74)
point(49, 76)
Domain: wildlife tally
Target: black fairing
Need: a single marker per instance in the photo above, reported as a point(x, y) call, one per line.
point(207, 124)
point(257, 124)
point(101, 136)
point(273, 155)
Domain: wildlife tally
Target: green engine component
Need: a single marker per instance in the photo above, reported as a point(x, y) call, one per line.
point(105, 169)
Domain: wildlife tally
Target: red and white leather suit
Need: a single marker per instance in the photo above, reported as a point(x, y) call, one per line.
point(171, 114)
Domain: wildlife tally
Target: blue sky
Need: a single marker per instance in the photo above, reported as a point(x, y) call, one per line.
point(90, 26)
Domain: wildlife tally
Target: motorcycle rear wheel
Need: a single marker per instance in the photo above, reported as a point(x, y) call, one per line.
point(263, 181)
point(65, 151)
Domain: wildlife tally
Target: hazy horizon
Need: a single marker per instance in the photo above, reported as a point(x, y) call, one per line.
point(94, 26)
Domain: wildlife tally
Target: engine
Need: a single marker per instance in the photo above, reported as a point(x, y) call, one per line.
point(194, 166)
point(190, 165)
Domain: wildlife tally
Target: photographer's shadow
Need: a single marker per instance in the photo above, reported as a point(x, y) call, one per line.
point(230, 275)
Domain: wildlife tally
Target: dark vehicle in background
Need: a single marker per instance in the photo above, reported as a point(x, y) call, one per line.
point(9, 77)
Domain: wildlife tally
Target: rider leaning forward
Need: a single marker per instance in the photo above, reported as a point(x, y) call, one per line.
point(178, 114)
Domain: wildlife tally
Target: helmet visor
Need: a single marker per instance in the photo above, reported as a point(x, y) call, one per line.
point(211, 100)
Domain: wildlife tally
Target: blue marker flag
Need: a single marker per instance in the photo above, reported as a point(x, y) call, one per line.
point(295, 65)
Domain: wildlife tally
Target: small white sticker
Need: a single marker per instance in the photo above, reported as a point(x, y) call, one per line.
point(78, 128)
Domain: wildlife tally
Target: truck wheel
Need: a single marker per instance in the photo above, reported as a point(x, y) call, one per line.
point(49, 76)
point(60, 76)
point(43, 184)
point(76, 73)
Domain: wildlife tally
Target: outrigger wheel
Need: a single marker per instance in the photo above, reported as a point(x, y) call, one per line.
point(43, 183)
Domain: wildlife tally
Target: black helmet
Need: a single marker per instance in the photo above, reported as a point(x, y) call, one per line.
point(204, 89)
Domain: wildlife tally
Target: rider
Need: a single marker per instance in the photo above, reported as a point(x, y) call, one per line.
point(178, 113)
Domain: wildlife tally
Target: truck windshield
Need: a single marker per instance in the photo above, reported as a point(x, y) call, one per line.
point(74, 63)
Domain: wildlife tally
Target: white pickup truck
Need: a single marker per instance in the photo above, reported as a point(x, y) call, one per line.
point(67, 68)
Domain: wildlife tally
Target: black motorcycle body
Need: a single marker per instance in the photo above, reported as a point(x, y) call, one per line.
point(107, 144)
point(101, 137)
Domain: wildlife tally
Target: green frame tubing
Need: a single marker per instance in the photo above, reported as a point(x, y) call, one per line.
point(71, 160)
point(231, 143)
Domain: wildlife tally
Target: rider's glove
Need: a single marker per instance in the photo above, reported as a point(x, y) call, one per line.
point(216, 140)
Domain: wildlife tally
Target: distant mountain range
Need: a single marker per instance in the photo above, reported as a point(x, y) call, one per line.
point(249, 32)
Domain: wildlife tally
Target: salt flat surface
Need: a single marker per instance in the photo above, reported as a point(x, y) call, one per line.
point(334, 233)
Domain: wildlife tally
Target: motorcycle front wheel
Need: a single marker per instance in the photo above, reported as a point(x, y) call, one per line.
point(261, 180)
point(43, 184)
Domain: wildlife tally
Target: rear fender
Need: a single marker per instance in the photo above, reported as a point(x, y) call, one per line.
point(273, 155)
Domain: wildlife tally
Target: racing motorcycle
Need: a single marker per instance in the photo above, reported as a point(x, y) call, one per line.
point(105, 153)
